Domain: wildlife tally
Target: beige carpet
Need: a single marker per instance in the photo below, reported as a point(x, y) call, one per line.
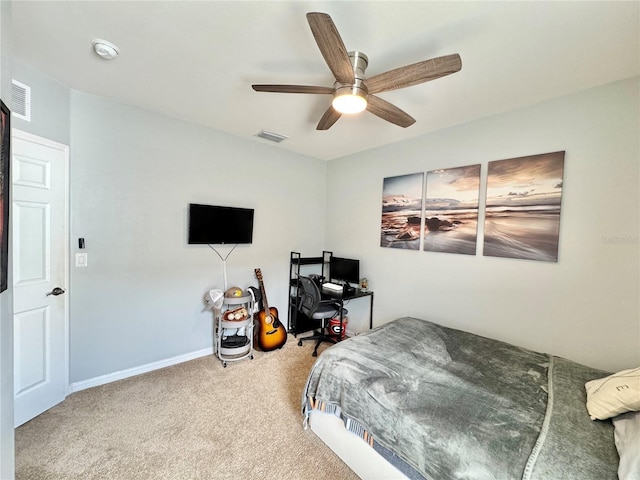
point(196, 420)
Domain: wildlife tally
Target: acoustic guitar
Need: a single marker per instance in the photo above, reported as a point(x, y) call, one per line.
point(271, 332)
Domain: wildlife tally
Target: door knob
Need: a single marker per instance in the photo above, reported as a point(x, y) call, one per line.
point(56, 291)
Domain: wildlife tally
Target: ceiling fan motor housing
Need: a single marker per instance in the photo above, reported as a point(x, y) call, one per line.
point(360, 62)
point(358, 89)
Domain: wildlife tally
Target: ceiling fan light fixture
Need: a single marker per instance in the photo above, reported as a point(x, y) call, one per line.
point(349, 99)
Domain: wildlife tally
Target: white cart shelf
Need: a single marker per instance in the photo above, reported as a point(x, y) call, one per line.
point(234, 339)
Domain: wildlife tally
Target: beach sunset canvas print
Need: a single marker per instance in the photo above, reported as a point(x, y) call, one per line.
point(451, 210)
point(522, 218)
point(401, 211)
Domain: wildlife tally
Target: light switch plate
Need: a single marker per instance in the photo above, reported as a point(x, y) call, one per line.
point(81, 260)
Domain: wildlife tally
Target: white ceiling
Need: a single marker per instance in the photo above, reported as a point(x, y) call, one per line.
point(197, 60)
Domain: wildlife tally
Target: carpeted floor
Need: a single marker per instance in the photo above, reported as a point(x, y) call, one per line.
point(196, 420)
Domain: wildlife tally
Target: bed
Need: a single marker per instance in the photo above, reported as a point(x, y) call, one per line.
point(413, 399)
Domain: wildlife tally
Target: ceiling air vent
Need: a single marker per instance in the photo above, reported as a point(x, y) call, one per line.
point(274, 137)
point(21, 100)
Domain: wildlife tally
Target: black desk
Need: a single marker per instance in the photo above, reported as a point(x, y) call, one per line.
point(342, 297)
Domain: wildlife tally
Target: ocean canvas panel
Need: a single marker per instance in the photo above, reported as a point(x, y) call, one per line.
point(522, 217)
point(451, 210)
point(401, 211)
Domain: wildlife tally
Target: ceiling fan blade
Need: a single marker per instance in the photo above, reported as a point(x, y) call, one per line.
point(414, 74)
point(389, 112)
point(330, 117)
point(292, 89)
point(331, 46)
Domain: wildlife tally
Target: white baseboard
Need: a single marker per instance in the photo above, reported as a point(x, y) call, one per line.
point(131, 372)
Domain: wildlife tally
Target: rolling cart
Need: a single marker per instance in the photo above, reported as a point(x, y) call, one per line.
point(234, 329)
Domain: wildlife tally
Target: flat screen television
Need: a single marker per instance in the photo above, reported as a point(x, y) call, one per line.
point(213, 224)
point(344, 269)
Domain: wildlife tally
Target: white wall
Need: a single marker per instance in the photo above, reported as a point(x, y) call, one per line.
point(133, 175)
point(584, 307)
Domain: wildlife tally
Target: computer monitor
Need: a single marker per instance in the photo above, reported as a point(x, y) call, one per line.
point(344, 269)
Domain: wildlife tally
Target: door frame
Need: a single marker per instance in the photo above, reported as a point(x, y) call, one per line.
point(29, 137)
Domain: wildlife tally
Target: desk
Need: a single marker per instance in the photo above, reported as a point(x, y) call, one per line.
point(341, 298)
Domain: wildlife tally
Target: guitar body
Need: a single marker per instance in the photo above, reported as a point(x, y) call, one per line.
point(271, 333)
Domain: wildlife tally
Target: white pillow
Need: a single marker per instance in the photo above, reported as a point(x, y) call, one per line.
point(613, 395)
point(627, 437)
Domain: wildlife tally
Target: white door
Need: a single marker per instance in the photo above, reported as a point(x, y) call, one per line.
point(40, 264)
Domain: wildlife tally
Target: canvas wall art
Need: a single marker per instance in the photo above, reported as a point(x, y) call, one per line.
point(451, 210)
point(5, 160)
point(522, 217)
point(401, 211)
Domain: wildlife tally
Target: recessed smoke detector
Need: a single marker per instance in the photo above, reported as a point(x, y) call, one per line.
point(274, 137)
point(105, 49)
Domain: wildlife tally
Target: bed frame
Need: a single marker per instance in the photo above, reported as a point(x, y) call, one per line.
point(353, 450)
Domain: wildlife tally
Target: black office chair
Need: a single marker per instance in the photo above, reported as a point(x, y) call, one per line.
point(312, 305)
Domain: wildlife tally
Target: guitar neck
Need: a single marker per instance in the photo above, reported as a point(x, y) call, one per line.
point(265, 303)
point(264, 297)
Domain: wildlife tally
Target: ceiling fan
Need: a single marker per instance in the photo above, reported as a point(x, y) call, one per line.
point(352, 91)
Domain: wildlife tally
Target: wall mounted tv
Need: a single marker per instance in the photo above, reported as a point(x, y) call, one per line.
point(213, 224)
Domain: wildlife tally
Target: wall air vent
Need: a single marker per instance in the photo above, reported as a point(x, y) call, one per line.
point(21, 100)
point(273, 137)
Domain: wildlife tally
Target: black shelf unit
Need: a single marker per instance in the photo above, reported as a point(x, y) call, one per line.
point(298, 321)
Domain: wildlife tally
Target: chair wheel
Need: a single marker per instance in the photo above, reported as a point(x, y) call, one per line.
point(314, 354)
point(300, 342)
point(224, 365)
point(251, 357)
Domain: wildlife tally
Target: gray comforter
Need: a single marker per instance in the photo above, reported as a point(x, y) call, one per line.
point(444, 404)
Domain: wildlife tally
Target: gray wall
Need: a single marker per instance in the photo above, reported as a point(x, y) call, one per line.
point(133, 175)
point(140, 300)
point(6, 303)
point(585, 306)
point(50, 105)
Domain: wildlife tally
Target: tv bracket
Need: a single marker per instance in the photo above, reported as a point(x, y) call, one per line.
point(224, 263)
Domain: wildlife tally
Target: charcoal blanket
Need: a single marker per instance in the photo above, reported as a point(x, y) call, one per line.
point(440, 403)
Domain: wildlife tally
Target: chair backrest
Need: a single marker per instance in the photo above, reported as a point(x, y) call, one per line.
point(310, 296)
